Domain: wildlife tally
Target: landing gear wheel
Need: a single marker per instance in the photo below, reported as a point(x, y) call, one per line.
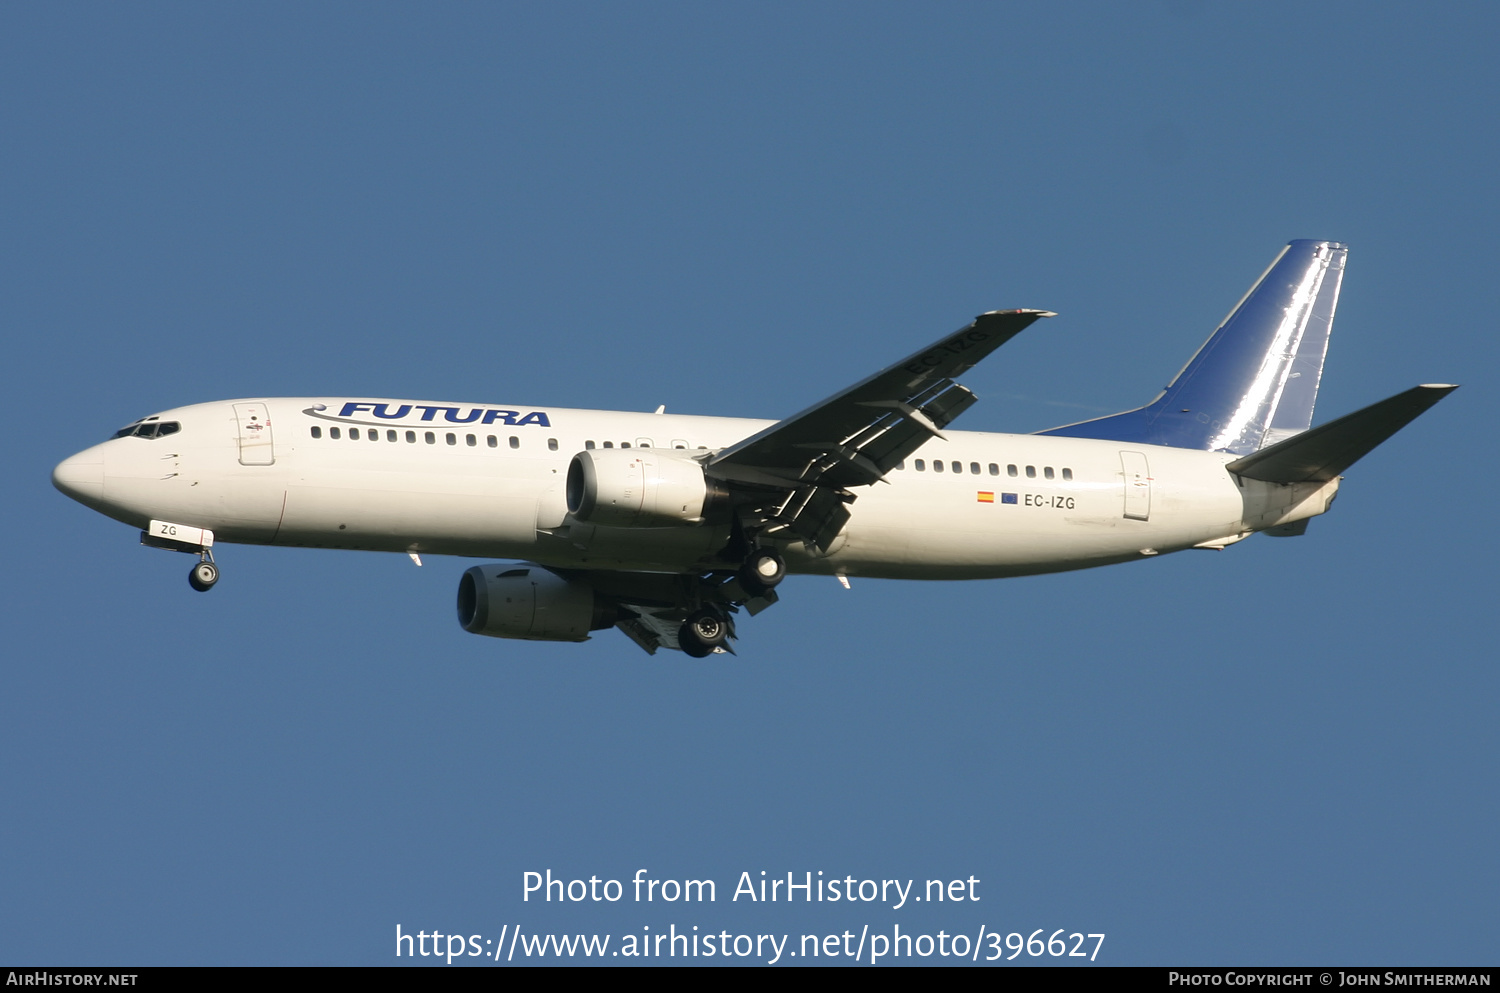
point(203, 576)
point(704, 631)
point(762, 571)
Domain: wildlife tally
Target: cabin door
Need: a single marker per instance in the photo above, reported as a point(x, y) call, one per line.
point(255, 434)
point(1137, 480)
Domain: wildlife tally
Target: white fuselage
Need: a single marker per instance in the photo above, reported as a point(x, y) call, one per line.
point(482, 481)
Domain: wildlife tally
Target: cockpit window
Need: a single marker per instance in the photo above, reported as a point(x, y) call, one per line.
point(148, 429)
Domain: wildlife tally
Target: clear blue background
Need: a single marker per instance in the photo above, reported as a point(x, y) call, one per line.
point(1285, 752)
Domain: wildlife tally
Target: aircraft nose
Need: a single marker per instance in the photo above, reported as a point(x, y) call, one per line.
point(82, 476)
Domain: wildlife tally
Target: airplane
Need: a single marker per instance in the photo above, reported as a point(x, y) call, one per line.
point(668, 526)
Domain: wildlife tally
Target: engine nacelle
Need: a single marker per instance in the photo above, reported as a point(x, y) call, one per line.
point(638, 487)
point(505, 600)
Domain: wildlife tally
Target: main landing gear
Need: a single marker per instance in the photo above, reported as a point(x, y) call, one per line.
point(763, 569)
point(204, 574)
point(705, 630)
point(708, 628)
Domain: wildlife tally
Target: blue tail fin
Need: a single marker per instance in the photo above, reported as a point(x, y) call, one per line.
point(1254, 381)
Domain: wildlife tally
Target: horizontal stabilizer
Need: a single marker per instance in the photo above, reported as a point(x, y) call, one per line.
point(1324, 452)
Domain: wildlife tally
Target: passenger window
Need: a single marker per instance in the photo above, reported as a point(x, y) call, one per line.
point(354, 434)
point(589, 445)
point(994, 469)
point(452, 438)
point(334, 434)
point(624, 444)
point(470, 440)
point(317, 432)
point(430, 438)
point(958, 467)
point(515, 442)
point(390, 435)
point(921, 466)
point(937, 465)
point(1010, 470)
point(372, 434)
point(901, 465)
point(492, 441)
point(1067, 473)
point(1031, 472)
point(411, 437)
point(974, 468)
point(1047, 472)
point(609, 444)
point(551, 444)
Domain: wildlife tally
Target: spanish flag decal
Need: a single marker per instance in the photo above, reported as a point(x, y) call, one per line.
point(986, 497)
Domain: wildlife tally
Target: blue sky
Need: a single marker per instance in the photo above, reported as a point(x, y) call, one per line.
point(1280, 753)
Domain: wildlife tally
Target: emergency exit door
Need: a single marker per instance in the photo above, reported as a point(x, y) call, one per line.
point(255, 434)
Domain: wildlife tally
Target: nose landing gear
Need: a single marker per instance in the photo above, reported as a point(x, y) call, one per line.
point(204, 574)
point(189, 539)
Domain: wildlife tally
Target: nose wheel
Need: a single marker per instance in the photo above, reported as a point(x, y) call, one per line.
point(204, 575)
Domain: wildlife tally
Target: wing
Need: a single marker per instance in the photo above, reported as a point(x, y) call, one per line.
point(803, 466)
point(652, 606)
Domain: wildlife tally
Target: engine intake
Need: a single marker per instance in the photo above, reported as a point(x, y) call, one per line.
point(504, 600)
point(638, 487)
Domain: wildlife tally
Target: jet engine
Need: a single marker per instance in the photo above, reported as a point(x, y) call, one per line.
point(638, 487)
point(505, 600)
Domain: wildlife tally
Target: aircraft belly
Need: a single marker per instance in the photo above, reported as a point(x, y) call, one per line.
point(248, 511)
point(670, 549)
point(401, 511)
point(943, 534)
point(951, 533)
point(898, 552)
